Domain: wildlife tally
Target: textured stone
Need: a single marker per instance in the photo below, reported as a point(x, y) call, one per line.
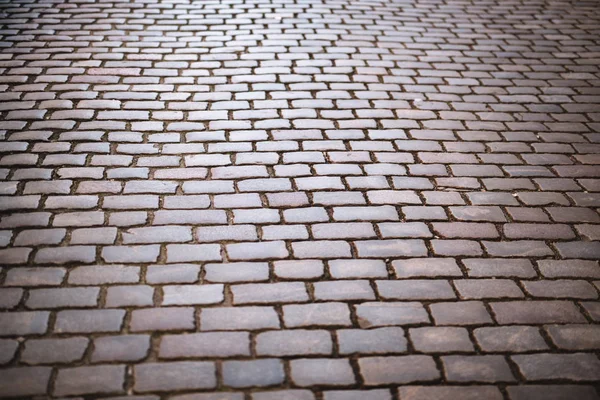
point(320, 371)
point(120, 348)
point(174, 376)
point(301, 200)
point(265, 372)
point(573, 367)
point(24, 381)
point(220, 344)
point(397, 370)
point(90, 380)
point(54, 351)
point(477, 369)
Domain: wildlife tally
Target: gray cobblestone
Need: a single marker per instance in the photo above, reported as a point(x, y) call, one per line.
point(330, 372)
point(573, 367)
point(120, 348)
point(24, 323)
point(397, 370)
point(477, 369)
point(209, 344)
point(320, 314)
point(53, 351)
point(79, 321)
point(239, 318)
point(25, 381)
point(181, 375)
point(373, 341)
point(299, 200)
point(294, 342)
point(162, 319)
point(265, 372)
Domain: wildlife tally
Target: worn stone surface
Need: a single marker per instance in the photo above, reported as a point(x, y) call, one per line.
point(288, 199)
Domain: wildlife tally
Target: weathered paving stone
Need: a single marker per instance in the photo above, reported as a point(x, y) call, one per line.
point(120, 348)
point(63, 298)
point(238, 318)
point(162, 319)
point(164, 234)
point(237, 272)
point(294, 342)
point(178, 295)
point(458, 392)
point(574, 337)
point(282, 292)
point(209, 344)
point(343, 290)
point(559, 392)
point(10, 297)
point(441, 339)
point(24, 381)
point(131, 254)
point(572, 367)
point(371, 314)
point(460, 313)
point(494, 267)
point(426, 267)
point(415, 290)
point(536, 312)
point(174, 376)
point(343, 269)
point(300, 200)
point(562, 288)
point(193, 252)
point(89, 321)
point(24, 323)
point(375, 394)
point(321, 249)
point(8, 349)
point(64, 255)
point(172, 273)
point(391, 248)
point(129, 296)
point(298, 269)
point(321, 371)
point(101, 379)
point(265, 372)
point(54, 351)
point(372, 341)
point(509, 338)
point(477, 369)
point(487, 288)
point(257, 251)
point(318, 314)
point(397, 369)
point(569, 268)
point(100, 275)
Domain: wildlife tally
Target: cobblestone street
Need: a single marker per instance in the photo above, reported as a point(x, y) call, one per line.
point(300, 199)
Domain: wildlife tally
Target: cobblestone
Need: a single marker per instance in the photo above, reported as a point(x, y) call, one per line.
point(397, 370)
point(299, 200)
point(320, 371)
point(253, 373)
point(121, 348)
point(54, 351)
point(101, 379)
point(174, 376)
point(477, 369)
point(441, 339)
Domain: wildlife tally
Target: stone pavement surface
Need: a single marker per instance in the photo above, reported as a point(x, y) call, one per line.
point(300, 199)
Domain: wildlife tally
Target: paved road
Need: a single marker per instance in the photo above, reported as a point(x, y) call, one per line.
point(300, 199)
